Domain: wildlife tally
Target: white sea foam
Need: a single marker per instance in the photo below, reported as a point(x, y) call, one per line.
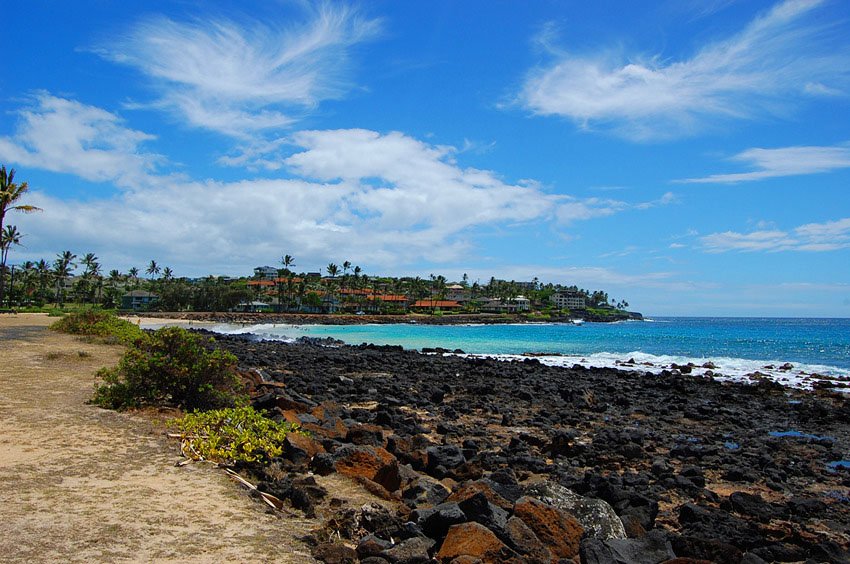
point(724, 369)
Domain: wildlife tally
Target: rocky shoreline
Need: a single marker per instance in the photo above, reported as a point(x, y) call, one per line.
point(240, 318)
point(471, 459)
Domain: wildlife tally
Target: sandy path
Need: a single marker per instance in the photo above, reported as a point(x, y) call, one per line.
point(78, 483)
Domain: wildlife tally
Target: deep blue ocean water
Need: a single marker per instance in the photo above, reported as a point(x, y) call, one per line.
point(738, 344)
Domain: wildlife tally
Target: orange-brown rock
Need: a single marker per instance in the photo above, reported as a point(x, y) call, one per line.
point(362, 461)
point(557, 529)
point(469, 489)
point(289, 416)
point(299, 447)
point(473, 540)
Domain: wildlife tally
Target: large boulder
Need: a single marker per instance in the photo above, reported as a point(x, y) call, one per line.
point(596, 516)
point(555, 528)
point(476, 541)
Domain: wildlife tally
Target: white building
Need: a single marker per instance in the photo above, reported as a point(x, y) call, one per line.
point(568, 300)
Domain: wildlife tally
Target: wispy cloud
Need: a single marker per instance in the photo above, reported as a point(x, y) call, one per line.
point(63, 135)
point(241, 78)
point(784, 161)
point(811, 237)
point(778, 58)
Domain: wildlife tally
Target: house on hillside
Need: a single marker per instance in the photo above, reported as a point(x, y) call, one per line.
point(457, 293)
point(265, 272)
point(138, 300)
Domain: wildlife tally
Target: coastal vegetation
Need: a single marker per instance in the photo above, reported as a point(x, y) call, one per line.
point(231, 435)
point(171, 366)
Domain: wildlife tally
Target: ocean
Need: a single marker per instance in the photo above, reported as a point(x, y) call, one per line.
point(730, 348)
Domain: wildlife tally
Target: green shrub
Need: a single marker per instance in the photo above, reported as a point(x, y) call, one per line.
point(174, 367)
point(233, 434)
point(98, 323)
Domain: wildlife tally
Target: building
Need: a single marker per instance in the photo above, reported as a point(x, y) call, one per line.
point(495, 305)
point(443, 305)
point(457, 293)
point(265, 272)
point(568, 300)
point(138, 299)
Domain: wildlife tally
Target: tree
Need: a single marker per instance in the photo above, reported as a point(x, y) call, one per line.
point(333, 270)
point(153, 269)
point(287, 261)
point(8, 237)
point(10, 193)
point(134, 274)
point(62, 268)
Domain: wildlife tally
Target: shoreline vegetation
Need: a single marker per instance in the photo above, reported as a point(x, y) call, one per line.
point(354, 319)
point(471, 458)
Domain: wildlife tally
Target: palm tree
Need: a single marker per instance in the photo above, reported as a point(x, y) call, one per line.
point(8, 237)
point(333, 270)
point(286, 261)
point(10, 193)
point(134, 274)
point(62, 267)
point(43, 272)
point(153, 269)
point(167, 274)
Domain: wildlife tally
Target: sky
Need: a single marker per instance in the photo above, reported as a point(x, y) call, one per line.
point(692, 158)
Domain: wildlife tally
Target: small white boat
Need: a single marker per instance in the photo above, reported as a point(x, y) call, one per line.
point(577, 321)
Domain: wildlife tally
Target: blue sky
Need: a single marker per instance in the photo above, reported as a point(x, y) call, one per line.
point(690, 157)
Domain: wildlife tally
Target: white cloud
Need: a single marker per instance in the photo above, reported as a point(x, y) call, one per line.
point(240, 79)
point(784, 161)
point(812, 237)
point(777, 58)
point(64, 135)
point(382, 199)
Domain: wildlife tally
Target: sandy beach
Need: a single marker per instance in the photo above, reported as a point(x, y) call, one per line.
point(83, 484)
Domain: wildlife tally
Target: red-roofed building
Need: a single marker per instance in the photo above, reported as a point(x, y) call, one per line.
point(436, 304)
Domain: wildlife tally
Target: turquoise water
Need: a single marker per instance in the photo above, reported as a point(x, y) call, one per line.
point(807, 341)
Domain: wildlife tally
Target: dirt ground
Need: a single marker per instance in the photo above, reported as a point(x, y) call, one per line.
point(79, 483)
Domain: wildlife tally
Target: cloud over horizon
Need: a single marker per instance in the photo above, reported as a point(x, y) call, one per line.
point(777, 60)
point(811, 237)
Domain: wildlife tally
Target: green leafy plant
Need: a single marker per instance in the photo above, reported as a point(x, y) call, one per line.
point(232, 434)
point(171, 366)
point(98, 323)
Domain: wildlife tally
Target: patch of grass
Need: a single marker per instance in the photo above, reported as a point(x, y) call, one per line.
point(53, 355)
point(99, 323)
point(174, 367)
point(231, 435)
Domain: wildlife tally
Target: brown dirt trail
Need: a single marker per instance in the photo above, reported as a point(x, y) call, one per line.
point(79, 483)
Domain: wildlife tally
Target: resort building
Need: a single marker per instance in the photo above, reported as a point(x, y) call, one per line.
point(568, 300)
point(495, 305)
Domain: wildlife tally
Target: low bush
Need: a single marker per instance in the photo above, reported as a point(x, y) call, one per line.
point(171, 366)
point(230, 435)
point(98, 323)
